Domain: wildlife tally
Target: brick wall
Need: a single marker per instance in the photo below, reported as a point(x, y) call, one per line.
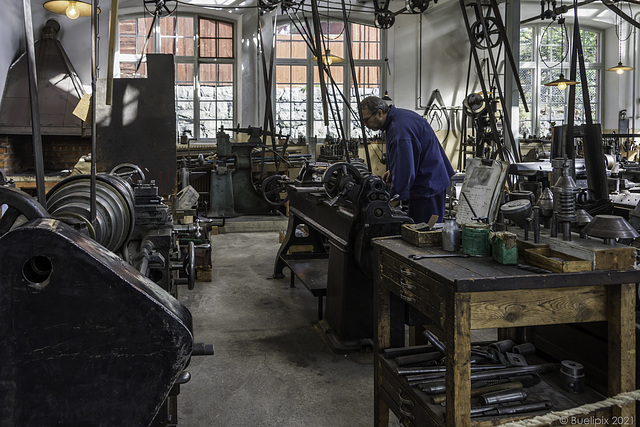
point(59, 153)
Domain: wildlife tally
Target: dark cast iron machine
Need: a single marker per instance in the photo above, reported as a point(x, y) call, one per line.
point(337, 210)
point(89, 278)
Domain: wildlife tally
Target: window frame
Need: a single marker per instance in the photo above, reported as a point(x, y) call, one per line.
point(537, 67)
point(344, 73)
point(195, 60)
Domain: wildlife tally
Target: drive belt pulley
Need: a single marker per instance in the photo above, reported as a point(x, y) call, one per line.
point(115, 216)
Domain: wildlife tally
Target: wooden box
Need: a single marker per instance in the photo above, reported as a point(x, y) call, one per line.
point(421, 239)
point(555, 261)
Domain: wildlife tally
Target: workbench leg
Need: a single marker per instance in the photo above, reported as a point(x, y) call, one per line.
point(458, 342)
point(320, 313)
point(382, 303)
point(622, 345)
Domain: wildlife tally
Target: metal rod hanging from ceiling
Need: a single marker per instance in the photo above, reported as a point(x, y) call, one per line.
point(94, 79)
point(35, 113)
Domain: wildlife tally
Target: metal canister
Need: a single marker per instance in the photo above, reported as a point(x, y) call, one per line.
point(450, 235)
point(475, 239)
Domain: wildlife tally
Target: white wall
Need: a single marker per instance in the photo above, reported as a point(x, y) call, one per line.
point(75, 37)
point(11, 35)
point(445, 55)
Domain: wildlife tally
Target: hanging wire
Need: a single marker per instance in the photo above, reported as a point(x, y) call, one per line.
point(565, 36)
point(619, 25)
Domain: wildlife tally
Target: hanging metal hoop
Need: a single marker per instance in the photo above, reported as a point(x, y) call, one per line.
point(160, 7)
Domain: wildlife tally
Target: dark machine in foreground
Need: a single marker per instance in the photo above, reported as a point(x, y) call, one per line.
point(89, 311)
point(336, 210)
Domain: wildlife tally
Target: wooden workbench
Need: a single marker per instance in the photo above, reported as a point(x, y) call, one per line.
point(461, 294)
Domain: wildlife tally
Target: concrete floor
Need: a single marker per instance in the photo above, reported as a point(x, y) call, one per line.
point(271, 366)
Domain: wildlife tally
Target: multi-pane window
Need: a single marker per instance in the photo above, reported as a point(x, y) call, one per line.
point(545, 53)
point(299, 108)
point(204, 87)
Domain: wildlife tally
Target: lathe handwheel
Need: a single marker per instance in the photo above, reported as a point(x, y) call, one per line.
point(127, 171)
point(336, 173)
point(189, 266)
point(273, 188)
point(20, 208)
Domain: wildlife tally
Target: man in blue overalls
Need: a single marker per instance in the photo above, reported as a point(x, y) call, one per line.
point(419, 170)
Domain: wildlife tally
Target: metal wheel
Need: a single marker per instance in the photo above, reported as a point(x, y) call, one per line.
point(273, 188)
point(384, 20)
point(16, 208)
point(70, 200)
point(495, 38)
point(335, 174)
point(160, 7)
point(416, 6)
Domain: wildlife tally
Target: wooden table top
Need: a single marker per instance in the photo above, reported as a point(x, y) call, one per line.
point(482, 274)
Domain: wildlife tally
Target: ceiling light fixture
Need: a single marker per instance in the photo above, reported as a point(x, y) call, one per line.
point(328, 58)
point(73, 9)
point(561, 83)
point(619, 69)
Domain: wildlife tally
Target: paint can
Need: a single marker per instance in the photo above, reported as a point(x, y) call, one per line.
point(475, 239)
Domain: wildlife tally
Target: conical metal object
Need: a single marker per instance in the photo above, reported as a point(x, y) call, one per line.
point(583, 217)
point(546, 202)
point(610, 227)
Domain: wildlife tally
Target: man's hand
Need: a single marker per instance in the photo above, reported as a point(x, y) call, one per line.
point(386, 177)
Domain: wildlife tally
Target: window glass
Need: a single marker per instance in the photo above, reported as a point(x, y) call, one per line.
point(526, 44)
point(203, 111)
point(177, 36)
point(299, 107)
point(216, 39)
point(365, 42)
point(550, 56)
point(369, 84)
point(291, 100)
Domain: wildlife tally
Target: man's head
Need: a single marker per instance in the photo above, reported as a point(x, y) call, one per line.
point(374, 112)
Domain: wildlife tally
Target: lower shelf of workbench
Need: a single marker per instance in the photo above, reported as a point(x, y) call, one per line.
point(414, 407)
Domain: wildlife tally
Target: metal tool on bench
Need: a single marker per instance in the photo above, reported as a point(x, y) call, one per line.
point(456, 255)
point(438, 386)
point(518, 408)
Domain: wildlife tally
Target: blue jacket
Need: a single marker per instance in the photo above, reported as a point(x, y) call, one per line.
point(418, 164)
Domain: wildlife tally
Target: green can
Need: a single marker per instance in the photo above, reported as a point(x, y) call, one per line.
point(475, 239)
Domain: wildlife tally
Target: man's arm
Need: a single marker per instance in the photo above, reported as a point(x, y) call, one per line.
point(401, 166)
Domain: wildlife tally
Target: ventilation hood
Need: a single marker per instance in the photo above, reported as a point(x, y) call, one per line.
point(59, 90)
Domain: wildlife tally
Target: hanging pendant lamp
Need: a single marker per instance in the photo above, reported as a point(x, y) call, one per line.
point(619, 69)
point(328, 58)
point(561, 82)
point(73, 9)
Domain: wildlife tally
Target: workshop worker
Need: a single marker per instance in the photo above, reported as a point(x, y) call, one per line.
point(419, 170)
